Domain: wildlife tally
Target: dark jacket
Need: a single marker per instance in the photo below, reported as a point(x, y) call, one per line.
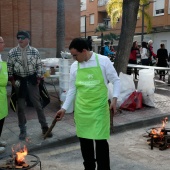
point(162, 55)
point(44, 96)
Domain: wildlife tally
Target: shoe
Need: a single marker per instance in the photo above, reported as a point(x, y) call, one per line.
point(22, 136)
point(3, 143)
point(2, 150)
point(44, 130)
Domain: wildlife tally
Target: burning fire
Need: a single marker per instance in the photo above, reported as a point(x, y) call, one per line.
point(158, 131)
point(20, 156)
point(20, 153)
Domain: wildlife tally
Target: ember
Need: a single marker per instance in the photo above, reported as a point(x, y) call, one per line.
point(159, 136)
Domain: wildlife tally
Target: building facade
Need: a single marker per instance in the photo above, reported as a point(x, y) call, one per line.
point(93, 13)
point(39, 18)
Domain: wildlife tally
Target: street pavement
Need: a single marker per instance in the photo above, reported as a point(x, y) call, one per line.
point(64, 131)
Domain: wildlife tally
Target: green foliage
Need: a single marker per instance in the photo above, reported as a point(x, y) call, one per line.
point(110, 37)
point(100, 29)
point(114, 10)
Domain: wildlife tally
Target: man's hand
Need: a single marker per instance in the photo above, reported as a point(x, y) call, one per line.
point(60, 114)
point(113, 105)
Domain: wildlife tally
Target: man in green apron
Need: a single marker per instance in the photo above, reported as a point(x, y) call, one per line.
point(89, 76)
point(3, 94)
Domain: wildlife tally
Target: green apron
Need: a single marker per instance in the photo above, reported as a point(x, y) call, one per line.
point(91, 113)
point(3, 92)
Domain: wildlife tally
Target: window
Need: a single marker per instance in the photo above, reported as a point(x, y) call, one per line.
point(83, 5)
point(169, 7)
point(92, 19)
point(82, 24)
point(159, 7)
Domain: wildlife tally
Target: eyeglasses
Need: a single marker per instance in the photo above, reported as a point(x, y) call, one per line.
point(22, 38)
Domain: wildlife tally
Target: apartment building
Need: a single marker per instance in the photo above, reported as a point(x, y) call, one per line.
point(39, 18)
point(93, 13)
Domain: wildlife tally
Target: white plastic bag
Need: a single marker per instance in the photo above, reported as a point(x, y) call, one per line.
point(127, 87)
point(146, 86)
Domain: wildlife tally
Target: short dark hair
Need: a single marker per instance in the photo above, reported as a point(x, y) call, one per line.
point(107, 43)
point(24, 33)
point(144, 44)
point(79, 44)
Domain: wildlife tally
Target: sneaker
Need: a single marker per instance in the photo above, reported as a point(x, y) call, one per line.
point(22, 135)
point(2, 150)
point(3, 143)
point(44, 130)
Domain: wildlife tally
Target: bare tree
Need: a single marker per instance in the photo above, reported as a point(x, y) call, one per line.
point(60, 32)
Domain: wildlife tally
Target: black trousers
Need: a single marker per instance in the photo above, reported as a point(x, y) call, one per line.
point(1, 125)
point(88, 153)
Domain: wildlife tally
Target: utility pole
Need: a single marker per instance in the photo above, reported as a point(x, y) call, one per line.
point(143, 10)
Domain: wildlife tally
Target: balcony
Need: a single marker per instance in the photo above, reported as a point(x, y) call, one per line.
point(106, 25)
point(102, 2)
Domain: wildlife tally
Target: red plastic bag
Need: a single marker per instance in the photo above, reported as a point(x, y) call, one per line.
point(129, 103)
point(138, 100)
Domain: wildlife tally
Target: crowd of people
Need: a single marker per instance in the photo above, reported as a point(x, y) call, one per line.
point(147, 56)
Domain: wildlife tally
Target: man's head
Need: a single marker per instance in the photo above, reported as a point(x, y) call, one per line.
point(2, 44)
point(23, 38)
point(79, 49)
point(107, 43)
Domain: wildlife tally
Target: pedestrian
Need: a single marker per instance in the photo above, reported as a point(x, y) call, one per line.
point(162, 57)
point(134, 52)
point(25, 72)
point(3, 94)
point(89, 41)
point(144, 51)
point(107, 51)
point(152, 55)
point(89, 76)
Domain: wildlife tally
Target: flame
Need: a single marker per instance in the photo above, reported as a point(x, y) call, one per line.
point(20, 156)
point(158, 131)
point(19, 153)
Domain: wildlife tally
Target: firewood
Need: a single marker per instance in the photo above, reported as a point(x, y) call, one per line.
point(25, 165)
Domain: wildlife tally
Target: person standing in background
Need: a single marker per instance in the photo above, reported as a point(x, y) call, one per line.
point(89, 76)
point(144, 54)
point(25, 72)
point(107, 51)
point(89, 41)
point(3, 94)
point(152, 55)
point(133, 57)
point(162, 57)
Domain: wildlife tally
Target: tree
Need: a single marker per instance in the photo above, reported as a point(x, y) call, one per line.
point(101, 29)
point(114, 10)
point(60, 32)
point(128, 9)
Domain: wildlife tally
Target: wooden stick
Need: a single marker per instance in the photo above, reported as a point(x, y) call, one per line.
point(50, 128)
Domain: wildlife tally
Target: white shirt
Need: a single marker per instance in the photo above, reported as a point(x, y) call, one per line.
point(143, 53)
point(108, 71)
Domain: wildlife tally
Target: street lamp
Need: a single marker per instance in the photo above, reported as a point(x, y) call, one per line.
point(85, 27)
point(143, 8)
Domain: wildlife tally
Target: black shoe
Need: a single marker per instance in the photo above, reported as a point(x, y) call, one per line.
point(44, 130)
point(22, 136)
